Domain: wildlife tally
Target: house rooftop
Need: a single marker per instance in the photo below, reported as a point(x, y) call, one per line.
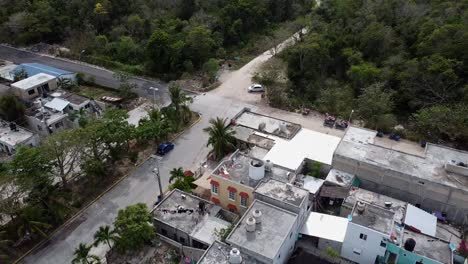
point(276, 226)
point(361, 145)
point(70, 97)
point(396, 206)
point(429, 247)
point(376, 218)
point(272, 126)
point(312, 184)
point(13, 138)
point(218, 253)
point(325, 226)
point(284, 192)
point(237, 165)
point(33, 81)
point(305, 145)
point(339, 178)
point(37, 68)
point(254, 137)
point(182, 211)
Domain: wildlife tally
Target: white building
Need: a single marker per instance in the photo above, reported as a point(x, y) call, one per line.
point(12, 136)
point(323, 231)
point(266, 232)
point(45, 118)
point(34, 86)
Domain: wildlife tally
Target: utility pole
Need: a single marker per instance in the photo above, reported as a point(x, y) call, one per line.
point(158, 177)
point(349, 119)
point(154, 95)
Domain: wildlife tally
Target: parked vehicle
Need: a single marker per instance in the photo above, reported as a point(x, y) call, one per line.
point(394, 136)
point(329, 121)
point(165, 148)
point(255, 88)
point(305, 111)
point(341, 124)
point(380, 133)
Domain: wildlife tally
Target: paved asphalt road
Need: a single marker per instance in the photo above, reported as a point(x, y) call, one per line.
point(102, 76)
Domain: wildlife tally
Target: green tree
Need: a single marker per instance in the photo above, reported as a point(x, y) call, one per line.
point(221, 137)
point(442, 122)
point(375, 106)
point(199, 45)
point(180, 101)
point(363, 75)
point(133, 226)
point(82, 256)
point(64, 149)
point(20, 75)
point(155, 127)
point(210, 69)
point(3, 245)
point(336, 98)
point(11, 108)
point(159, 51)
point(184, 184)
point(30, 221)
point(105, 235)
point(176, 174)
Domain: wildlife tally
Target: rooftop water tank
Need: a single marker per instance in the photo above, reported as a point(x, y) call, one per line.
point(268, 165)
point(250, 224)
point(257, 170)
point(257, 214)
point(234, 256)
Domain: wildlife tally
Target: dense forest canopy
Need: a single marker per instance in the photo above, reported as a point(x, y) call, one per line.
point(164, 36)
point(391, 60)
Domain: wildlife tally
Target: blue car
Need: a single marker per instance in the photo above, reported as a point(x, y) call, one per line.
point(165, 148)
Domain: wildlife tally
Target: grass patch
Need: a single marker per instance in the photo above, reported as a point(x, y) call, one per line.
point(96, 92)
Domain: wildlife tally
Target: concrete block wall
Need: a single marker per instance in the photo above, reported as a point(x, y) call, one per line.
point(429, 195)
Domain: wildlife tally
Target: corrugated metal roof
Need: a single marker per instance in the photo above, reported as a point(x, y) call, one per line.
point(421, 220)
point(36, 68)
point(57, 104)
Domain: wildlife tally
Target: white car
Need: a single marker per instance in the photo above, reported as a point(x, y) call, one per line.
point(256, 88)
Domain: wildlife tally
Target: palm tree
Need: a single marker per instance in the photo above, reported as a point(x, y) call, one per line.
point(221, 137)
point(105, 235)
point(82, 255)
point(179, 101)
point(176, 174)
point(29, 221)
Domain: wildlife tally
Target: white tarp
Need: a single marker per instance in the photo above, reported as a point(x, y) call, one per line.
point(421, 220)
point(306, 144)
point(57, 104)
point(325, 226)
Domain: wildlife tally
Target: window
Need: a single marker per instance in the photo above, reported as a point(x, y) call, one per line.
point(59, 124)
point(182, 240)
point(290, 235)
point(86, 106)
point(232, 195)
point(279, 256)
point(363, 236)
point(214, 188)
point(163, 232)
point(357, 251)
point(31, 92)
point(383, 244)
point(243, 201)
point(39, 128)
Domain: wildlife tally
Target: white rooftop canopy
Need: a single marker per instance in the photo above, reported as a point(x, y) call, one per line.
point(57, 104)
point(33, 81)
point(307, 144)
point(421, 220)
point(325, 226)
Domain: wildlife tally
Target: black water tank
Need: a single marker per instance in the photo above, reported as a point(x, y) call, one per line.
point(410, 244)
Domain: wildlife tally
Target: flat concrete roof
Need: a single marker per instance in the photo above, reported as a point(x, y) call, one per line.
point(325, 226)
point(339, 178)
point(277, 226)
point(358, 194)
point(70, 97)
point(358, 144)
point(184, 214)
point(307, 144)
point(430, 247)
point(281, 191)
point(57, 104)
point(251, 136)
point(218, 253)
point(375, 218)
point(236, 168)
point(272, 125)
point(13, 138)
point(33, 81)
point(312, 184)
